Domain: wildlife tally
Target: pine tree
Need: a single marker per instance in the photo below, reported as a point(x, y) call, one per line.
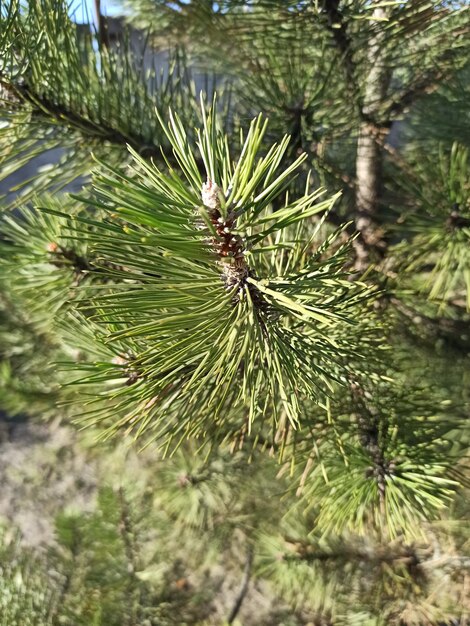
point(266, 286)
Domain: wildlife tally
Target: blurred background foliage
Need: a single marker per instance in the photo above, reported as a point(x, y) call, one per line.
point(358, 515)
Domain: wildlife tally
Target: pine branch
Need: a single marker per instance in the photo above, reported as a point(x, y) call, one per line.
point(388, 554)
point(338, 28)
point(127, 535)
point(447, 562)
point(64, 80)
point(220, 242)
point(61, 114)
point(454, 332)
point(75, 546)
point(244, 586)
point(372, 429)
point(424, 85)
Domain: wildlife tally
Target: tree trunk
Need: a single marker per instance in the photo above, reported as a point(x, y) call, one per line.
point(102, 28)
point(368, 183)
point(369, 152)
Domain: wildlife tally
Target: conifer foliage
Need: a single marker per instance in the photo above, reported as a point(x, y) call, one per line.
point(223, 307)
point(276, 310)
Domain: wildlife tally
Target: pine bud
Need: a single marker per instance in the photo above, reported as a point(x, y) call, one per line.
point(210, 195)
point(119, 360)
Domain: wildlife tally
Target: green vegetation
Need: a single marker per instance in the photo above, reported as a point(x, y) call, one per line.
point(251, 317)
